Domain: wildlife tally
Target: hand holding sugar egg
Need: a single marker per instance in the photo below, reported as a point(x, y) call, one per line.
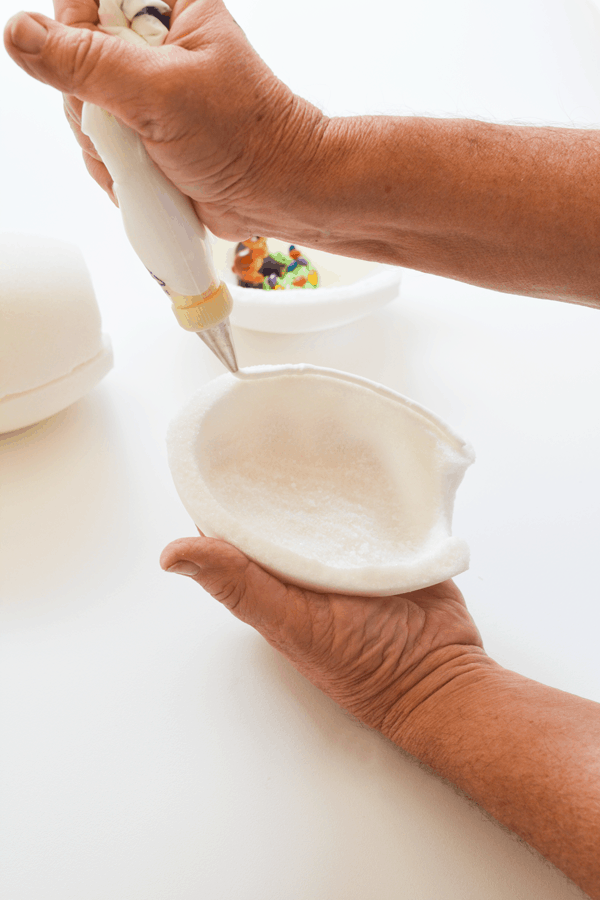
point(370, 654)
point(332, 487)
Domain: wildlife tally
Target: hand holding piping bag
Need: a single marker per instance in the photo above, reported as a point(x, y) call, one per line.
point(160, 222)
point(204, 106)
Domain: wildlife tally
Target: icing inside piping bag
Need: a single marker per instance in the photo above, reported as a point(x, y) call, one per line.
point(136, 21)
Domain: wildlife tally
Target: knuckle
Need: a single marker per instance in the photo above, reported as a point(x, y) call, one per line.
point(86, 58)
point(162, 109)
point(77, 59)
point(155, 114)
point(70, 12)
point(229, 595)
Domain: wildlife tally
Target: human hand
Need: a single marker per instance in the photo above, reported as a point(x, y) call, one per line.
point(210, 112)
point(377, 657)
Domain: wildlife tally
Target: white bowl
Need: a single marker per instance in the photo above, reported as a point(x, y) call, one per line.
point(328, 480)
point(52, 350)
point(348, 290)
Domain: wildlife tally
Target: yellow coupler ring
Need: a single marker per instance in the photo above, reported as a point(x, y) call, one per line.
point(201, 311)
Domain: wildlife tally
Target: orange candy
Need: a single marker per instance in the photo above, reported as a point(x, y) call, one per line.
point(247, 267)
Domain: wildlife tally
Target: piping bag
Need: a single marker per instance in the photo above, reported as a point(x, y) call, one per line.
point(160, 221)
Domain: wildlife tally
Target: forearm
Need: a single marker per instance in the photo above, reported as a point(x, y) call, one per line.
point(527, 753)
point(512, 208)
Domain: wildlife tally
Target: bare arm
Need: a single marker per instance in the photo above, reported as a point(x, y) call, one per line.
point(413, 667)
point(513, 208)
point(529, 754)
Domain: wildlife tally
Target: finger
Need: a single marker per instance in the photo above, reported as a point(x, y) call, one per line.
point(82, 13)
point(100, 174)
point(77, 13)
point(73, 108)
point(245, 588)
point(93, 163)
point(88, 64)
point(195, 23)
point(225, 572)
point(74, 121)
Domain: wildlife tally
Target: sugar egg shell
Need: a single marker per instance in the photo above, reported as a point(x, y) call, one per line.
point(52, 350)
point(326, 479)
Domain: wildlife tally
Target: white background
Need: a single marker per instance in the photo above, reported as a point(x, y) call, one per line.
point(152, 746)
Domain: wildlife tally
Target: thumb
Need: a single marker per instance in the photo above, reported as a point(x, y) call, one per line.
point(89, 64)
point(247, 590)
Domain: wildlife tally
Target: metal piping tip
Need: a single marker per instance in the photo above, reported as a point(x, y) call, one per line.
point(220, 341)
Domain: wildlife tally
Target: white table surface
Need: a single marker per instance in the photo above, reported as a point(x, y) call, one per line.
point(154, 747)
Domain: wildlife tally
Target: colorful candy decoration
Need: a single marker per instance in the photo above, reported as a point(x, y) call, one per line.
point(249, 257)
point(255, 267)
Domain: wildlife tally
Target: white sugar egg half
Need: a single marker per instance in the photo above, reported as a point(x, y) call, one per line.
point(52, 349)
point(326, 479)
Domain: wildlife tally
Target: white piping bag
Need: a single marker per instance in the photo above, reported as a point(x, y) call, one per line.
point(160, 221)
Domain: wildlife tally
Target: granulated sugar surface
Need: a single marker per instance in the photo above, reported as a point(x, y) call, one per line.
point(326, 477)
point(336, 509)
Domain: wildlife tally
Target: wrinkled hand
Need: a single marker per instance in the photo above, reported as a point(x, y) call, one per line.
point(377, 657)
point(210, 112)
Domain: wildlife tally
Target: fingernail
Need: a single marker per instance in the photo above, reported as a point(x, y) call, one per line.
point(27, 34)
point(184, 568)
